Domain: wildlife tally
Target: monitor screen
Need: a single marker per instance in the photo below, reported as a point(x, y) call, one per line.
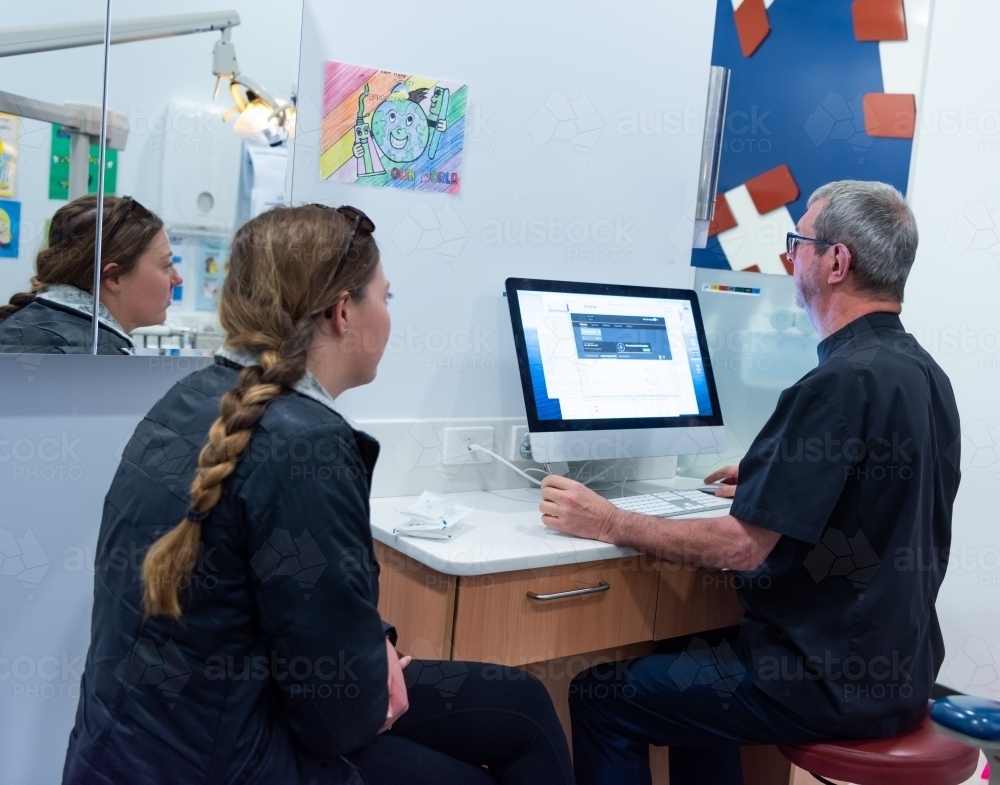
point(602, 357)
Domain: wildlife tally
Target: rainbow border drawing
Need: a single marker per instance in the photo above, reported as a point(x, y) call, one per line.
point(391, 130)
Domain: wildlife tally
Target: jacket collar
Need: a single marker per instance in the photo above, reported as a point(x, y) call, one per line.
point(70, 297)
point(309, 386)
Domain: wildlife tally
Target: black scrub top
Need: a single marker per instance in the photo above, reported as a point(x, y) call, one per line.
point(857, 468)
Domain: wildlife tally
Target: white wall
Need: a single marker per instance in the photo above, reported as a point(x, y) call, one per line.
point(952, 308)
point(452, 354)
point(144, 77)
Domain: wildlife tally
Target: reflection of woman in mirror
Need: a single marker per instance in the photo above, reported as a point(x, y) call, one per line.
point(248, 644)
point(137, 278)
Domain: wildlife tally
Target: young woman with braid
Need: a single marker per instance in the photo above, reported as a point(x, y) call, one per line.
point(137, 279)
point(247, 646)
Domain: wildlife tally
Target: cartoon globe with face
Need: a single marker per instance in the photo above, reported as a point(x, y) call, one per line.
point(399, 125)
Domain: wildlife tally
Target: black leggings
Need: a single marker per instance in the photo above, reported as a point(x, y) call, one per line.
point(466, 715)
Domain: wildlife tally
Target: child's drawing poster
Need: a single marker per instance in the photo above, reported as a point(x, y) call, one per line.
point(10, 128)
point(10, 227)
point(392, 130)
point(212, 262)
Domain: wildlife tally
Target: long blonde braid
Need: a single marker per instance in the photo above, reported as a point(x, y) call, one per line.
point(280, 276)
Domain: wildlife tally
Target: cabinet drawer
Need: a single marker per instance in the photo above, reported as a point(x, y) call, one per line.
point(496, 620)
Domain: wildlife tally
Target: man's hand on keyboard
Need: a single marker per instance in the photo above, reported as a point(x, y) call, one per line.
point(573, 508)
point(726, 477)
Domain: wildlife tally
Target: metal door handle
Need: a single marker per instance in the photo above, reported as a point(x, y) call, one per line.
point(601, 586)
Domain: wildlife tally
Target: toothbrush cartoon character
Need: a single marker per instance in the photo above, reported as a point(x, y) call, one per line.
point(369, 163)
point(437, 120)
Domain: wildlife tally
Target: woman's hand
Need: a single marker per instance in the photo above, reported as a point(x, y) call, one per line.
point(398, 700)
point(726, 477)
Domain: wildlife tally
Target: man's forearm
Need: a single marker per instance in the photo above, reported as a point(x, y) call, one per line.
point(716, 543)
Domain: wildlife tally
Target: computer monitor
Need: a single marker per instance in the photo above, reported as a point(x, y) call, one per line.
point(612, 371)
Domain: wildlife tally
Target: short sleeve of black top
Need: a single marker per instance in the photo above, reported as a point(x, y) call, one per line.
point(858, 469)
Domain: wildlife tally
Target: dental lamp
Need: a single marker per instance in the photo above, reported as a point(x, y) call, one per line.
point(259, 114)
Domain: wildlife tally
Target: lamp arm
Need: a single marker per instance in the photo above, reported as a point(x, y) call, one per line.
point(42, 111)
point(47, 38)
point(77, 118)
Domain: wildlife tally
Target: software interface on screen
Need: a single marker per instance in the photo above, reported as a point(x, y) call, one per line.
point(598, 356)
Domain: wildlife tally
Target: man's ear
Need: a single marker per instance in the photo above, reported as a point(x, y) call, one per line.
point(841, 255)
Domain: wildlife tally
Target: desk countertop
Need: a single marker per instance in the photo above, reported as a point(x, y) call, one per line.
point(505, 532)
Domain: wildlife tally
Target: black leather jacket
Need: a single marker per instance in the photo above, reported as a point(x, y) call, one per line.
point(277, 669)
point(45, 327)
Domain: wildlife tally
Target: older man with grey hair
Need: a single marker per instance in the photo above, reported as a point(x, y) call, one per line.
point(839, 533)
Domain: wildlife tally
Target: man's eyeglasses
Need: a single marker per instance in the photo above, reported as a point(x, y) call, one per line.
point(792, 241)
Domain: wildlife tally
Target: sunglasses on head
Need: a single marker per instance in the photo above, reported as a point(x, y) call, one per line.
point(132, 207)
point(359, 222)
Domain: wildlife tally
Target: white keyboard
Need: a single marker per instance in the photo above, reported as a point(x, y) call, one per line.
point(671, 503)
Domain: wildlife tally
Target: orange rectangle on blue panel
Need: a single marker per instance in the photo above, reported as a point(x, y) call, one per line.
point(752, 25)
point(890, 115)
point(724, 218)
point(773, 189)
point(879, 20)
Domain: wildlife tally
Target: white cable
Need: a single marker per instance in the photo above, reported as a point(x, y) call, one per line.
point(598, 476)
point(477, 448)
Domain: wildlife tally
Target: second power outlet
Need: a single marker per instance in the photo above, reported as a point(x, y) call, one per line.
point(518, 433)
point(456, 450)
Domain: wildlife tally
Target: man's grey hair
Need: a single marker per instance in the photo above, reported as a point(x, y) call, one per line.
point(877, 225)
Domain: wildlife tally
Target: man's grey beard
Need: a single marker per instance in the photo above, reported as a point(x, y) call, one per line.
point(806, 291)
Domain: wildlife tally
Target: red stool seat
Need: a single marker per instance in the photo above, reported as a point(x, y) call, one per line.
point(920, 755)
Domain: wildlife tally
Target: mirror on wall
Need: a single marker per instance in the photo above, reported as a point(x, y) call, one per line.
point(210, 116)
point(200, 109)
point(51, 93)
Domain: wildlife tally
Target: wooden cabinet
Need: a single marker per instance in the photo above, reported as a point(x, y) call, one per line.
point(419, 601)
point(691, 601)
point(615, 609)
point(515, 618)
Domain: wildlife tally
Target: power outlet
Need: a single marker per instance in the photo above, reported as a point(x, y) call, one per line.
point(455, 450)
point(517, 434)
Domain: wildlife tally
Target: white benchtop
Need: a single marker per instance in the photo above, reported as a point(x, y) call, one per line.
point(505, 532)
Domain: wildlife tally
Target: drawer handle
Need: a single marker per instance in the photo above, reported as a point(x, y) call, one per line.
point(601, 586)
